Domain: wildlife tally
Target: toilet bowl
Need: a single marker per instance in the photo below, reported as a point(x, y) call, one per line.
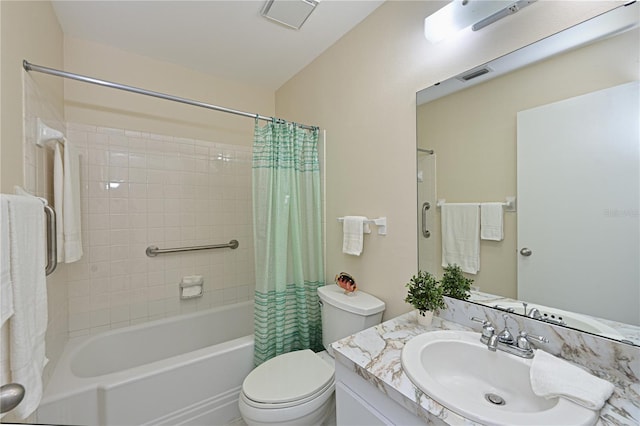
point(297, 388)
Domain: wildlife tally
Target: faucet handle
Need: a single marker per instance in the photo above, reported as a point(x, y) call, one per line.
point(488, 329)
point(524, 338)
point(480, 320)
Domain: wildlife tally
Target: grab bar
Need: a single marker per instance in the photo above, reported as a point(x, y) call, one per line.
point(153, 251)
point(425, 232)
point(52, 244)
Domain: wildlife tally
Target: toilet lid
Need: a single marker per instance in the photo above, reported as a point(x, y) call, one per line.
point(288, 377)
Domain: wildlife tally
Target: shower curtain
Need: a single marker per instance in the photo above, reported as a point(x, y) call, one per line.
point(288, 239)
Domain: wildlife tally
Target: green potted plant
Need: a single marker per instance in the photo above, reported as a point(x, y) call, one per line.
point(425, 294)
point(454, 284)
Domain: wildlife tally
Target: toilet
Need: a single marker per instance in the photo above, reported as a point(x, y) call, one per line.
point(297, 388)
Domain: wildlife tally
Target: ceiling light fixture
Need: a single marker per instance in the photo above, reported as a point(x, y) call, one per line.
point(461, 14)
point(291, 13)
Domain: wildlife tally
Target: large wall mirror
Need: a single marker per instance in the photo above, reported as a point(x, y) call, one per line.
point(554, 126)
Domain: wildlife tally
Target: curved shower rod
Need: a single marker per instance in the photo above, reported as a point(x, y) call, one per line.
point(38, 68)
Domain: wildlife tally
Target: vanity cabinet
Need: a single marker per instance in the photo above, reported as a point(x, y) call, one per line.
point(359, 403)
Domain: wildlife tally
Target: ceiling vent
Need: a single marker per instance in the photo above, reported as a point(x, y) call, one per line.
point(291, 13)
point(474, 74)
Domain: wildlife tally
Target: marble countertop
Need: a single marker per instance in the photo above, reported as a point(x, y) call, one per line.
point(374, 354)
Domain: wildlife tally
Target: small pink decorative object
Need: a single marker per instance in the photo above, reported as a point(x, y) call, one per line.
point(346, 282)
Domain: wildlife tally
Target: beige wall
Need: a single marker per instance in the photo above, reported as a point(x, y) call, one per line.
point(362, 91)
point(95, 105)
point(29, 30)
point(473, 133)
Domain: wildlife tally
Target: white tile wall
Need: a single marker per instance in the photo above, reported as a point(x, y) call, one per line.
point(141, 189)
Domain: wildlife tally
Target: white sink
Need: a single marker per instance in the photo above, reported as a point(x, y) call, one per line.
point(572, 319)
point(458, 371)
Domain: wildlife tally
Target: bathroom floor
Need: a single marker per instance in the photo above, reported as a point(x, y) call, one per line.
point(237, 422)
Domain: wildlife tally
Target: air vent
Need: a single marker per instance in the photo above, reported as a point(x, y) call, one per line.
point(291, 13)
point(474, 74)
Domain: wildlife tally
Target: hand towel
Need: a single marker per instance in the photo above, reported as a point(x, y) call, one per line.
point(553, 377)
point(461, 236)
point(72, 215)
point(66, 195)
point(58, 197)
point(6, 286)
point(28, 325)
point(353, 230)
point(491, 221)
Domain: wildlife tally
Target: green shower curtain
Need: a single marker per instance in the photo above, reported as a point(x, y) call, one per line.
point(288, 239)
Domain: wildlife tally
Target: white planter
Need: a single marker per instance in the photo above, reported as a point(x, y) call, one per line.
point(426, 319)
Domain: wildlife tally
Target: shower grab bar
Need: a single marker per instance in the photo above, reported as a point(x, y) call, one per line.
point(52, 243)
point(425, 232)
point(153, 251)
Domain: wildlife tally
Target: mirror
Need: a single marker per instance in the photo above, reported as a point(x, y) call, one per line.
point(467, 151)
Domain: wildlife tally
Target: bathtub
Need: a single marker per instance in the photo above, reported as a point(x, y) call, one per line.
point(186, 369)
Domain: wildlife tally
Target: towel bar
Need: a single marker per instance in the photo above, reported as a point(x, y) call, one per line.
point(380, 222)
point(509, 205)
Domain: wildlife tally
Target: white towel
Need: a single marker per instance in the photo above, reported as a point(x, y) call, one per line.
point(491, 221)
point(353, 230)
point(6, 286)
point(461, 236)
point(72, 215)
point(28, 325)
point(58, 197)
point(66, 193)
point(553, 377)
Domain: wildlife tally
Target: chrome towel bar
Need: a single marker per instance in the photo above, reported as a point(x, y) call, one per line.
point(153, 251)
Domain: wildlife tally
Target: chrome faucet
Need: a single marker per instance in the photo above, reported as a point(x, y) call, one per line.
point(505, 335)
point(533, 312)
point(520, 346)
point(489, 335)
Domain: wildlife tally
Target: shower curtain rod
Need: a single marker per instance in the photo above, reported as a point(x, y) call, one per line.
point(38, 68)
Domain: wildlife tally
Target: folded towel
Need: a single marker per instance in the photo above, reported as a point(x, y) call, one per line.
point(491, 221)
point(461, 236)
point(66, 195)
point(58, 197)
point(6, 286)
point(72, 216)
point(553, 377)
point(353, 230)
point(28, 325)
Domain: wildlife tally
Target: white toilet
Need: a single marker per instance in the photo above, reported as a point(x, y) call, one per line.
point(297, 388)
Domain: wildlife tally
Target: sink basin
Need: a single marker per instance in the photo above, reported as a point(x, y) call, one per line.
point(458, 371)
point(572, 319)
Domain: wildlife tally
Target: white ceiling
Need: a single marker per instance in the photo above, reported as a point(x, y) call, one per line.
point(226, 38)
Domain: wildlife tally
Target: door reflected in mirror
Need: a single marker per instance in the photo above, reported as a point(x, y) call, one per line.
point(468, 142)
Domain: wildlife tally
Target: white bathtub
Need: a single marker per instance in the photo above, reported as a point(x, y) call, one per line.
point(182, 370)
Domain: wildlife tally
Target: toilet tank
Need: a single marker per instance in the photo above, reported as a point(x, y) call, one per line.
point(346, 314)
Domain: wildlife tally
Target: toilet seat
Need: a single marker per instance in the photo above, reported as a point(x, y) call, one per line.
point(288, 380)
